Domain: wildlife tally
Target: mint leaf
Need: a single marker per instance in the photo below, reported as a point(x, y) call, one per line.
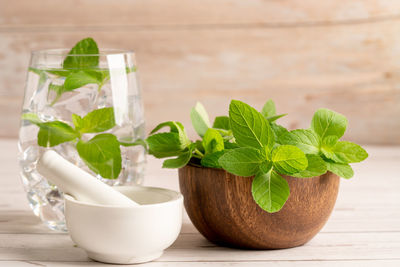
point(326, 122)
point(306, 140)
point(199, 146)
point(211, 160)
point(200, 119)
point(163, 145)
point(327, 144)
point(31, 117)
point(242, 161)
point(84, 47)
point(274, 118)
point(54, 133)
point(270, 191)
point(102, 155)
point(58, 89)
point(212, 141)
point(288, 159)
point(345, 152)
point(229, 145)
point(78, 79)
point(278, 132)
point(269, 109)
point(329, 141)
point(82, 78)
point(77, 121)
point(316, 167)
point(343, 170)
point(221, 122)
point(51, 133)
point(180, 161)
point(175, 127)
point(96, 121)
point(59, 72)
point(266, 166)
point(249, 127)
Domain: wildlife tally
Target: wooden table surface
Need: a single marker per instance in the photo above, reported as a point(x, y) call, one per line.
point(364, 229)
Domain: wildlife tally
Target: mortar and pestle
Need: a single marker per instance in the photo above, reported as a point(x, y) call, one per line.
point(120, 224)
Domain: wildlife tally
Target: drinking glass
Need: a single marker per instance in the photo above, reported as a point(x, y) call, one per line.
point(89, 111)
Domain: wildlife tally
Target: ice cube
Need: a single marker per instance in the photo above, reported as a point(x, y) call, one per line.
point(55, 197)
point(29, 158)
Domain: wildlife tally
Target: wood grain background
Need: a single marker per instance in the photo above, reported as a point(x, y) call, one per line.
point(304, 54)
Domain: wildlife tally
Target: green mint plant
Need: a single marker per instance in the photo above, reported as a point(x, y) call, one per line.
point(80, 70)
point(250, 143)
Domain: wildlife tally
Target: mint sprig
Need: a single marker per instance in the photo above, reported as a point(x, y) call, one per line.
point(51, 133)
point(101, 153)
point(322, 140)
point(251, 143)
point(80, 67)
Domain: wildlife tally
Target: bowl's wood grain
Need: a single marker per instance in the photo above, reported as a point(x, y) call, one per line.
point(221, 207)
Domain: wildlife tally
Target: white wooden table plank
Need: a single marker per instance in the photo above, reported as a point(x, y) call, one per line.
point(194, 248)
point(364, 229)
point(342, 221)
point(314, 263)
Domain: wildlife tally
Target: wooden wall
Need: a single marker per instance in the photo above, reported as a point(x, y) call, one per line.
point(304, 54)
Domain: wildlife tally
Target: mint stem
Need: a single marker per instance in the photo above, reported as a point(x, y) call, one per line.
point(198, 152)
point(55, 100)
point(197, 156)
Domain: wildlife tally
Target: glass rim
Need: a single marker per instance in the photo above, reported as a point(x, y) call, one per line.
point(64, 52)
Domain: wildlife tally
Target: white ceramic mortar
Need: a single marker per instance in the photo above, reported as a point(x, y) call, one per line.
point(126, 235)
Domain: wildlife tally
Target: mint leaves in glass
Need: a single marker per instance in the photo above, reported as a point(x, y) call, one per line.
point(251, 143)
point(86, 105)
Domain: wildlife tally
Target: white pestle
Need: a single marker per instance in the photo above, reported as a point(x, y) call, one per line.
point(76, 182)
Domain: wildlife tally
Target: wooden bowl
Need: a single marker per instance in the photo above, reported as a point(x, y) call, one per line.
point(222, 208)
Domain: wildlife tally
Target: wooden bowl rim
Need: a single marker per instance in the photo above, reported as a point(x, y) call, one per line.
point(283, 175)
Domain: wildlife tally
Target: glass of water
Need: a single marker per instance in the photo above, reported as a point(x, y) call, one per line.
point(88, 108)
